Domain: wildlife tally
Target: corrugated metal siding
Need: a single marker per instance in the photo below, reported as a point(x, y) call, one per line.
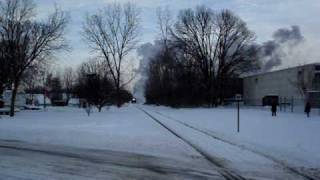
point(282, 83)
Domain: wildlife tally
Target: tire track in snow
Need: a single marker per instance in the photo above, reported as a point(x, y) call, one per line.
point(110, 158)
point(226, 173)
point(281, 163)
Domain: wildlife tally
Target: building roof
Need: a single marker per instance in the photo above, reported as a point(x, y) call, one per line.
point(273, 71)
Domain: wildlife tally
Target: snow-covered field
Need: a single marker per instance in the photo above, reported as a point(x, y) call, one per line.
point(126, 129)
point(265, 147)
point(290, 137)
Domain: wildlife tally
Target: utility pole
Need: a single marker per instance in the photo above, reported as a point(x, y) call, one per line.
point(238, 99)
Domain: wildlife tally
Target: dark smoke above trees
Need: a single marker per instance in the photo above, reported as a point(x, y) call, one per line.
point(272, 53)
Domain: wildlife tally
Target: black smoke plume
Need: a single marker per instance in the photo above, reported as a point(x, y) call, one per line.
point(272, 53)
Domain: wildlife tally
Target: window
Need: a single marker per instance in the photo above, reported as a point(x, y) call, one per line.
point(317, 67)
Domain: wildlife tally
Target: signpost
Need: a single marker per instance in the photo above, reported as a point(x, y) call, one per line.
point(238, 99)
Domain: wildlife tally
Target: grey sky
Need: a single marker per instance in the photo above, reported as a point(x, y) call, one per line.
point(262, 16)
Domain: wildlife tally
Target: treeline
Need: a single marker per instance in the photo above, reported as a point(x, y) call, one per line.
point(201, 56)
point(90, 82)
point(28, 45)
point(93, 83)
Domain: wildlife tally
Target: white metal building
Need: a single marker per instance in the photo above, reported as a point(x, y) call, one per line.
point(299, 83)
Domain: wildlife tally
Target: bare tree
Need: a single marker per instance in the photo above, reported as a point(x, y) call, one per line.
point(94, 84)
point(217, 43)
point(233, 49)
point(4, 70)
point(199, 58)
point(31, 79)
point(112, 33)
point(165, 24)
point(68, 81)
point(28, 42)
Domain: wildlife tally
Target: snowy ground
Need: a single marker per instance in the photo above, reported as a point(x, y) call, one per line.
point(289, 138)
point(125, 129)
point(203, 141)
point(20, 161)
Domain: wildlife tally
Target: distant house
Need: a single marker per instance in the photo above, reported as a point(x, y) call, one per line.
point(300, 83)
point(38, 99)
point(75, 102)
point(20, 98)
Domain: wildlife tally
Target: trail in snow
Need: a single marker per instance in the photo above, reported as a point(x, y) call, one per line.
point(28, 161)
point(290, 137)
point(280, 162)
point(227, 173)
point(234, 158)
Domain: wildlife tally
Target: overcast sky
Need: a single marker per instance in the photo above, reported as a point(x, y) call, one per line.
point(262, 16)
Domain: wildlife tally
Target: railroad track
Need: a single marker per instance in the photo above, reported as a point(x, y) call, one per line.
point(225, 172)
point(279, 162)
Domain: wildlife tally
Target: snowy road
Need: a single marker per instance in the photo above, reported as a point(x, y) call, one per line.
point(21, 161)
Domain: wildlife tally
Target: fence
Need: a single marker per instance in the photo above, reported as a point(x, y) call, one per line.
point(285, 104)
point(293, 105)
